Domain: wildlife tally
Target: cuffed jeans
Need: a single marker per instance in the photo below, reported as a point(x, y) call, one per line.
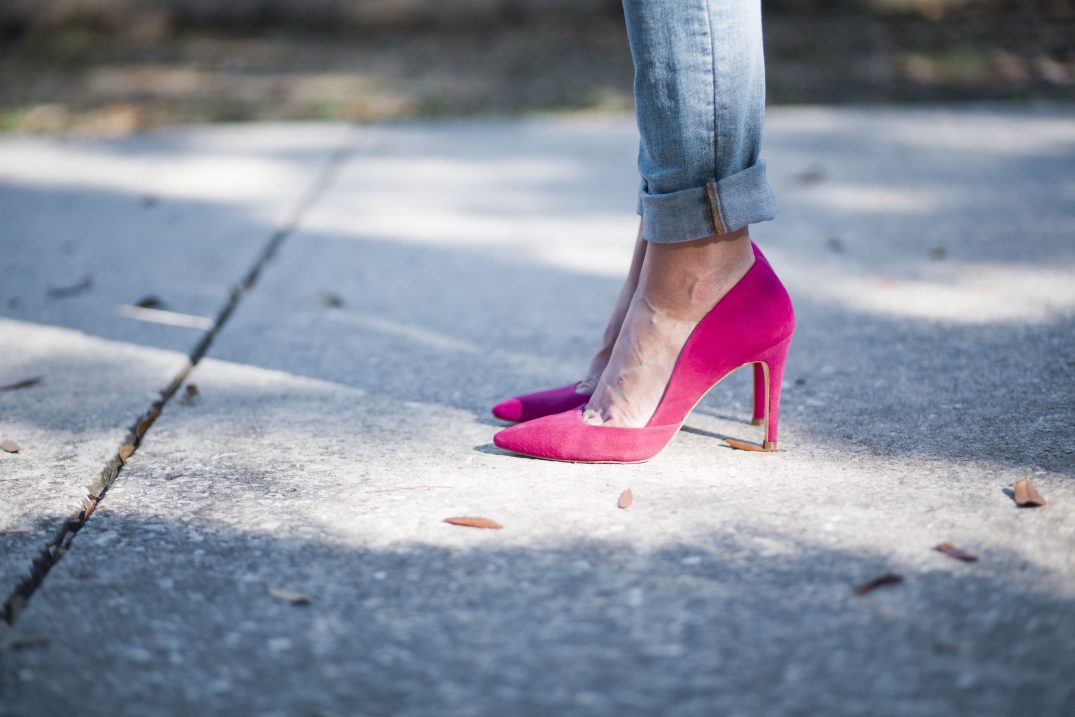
point(700, 102)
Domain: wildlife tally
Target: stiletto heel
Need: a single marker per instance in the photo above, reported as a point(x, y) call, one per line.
point(759, 395)
point(752, 324)
point(771, 364)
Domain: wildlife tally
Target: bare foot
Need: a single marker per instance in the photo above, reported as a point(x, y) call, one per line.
point(619, 311)
point(678, 285)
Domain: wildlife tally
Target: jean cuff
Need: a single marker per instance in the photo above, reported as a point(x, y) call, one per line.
point(719, 207)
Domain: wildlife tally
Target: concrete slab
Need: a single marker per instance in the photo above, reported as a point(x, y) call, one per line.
point(168, 219)
point(68, 428)
point(343, 415)
point(89, 229)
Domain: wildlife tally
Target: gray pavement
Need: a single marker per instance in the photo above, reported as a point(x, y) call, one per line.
point(133, 247)
point(342, 413)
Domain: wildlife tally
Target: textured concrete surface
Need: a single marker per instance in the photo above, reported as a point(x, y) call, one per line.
point(68, 428)
point(342, 414)
point(169, 217)
point(89, 230)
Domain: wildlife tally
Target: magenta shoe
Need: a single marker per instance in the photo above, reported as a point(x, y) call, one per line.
point(557, 400)
point(751, 325)
point(540, 403)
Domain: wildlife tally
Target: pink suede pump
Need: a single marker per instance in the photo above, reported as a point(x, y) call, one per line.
point(529, 406)
point(752, 324)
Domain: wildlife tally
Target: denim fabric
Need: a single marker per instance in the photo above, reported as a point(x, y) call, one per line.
point(700, 103)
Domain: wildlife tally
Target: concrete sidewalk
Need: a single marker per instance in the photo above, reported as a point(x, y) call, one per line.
point(354, 299)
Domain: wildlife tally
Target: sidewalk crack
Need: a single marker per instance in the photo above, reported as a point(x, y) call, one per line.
point(57, 547)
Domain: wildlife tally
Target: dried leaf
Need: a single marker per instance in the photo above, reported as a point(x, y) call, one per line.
point(954, 552)
point(879, 581)
point(10, 446)
point(289, 596)
point(15, 605)
point(22, 642)
point(60, 292)
point(812, 175)
point(1026, 495)
point(25, 383)
point(146, 422)
point(190, 392)
point(125, 452)
point(744, 446)
point(626, 499)
point(88, 510)
point(474, 522)
point(150, 302)
point(327, 298)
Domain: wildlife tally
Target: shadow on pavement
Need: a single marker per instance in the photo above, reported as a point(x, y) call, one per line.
point(724, 625)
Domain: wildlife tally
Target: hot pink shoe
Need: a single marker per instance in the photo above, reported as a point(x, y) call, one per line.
point(752, 324)
point(529, 406)
point(541, 403)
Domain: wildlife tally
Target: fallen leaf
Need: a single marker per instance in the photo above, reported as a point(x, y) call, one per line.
point(289, 596)
point(744, 446)
point(954, 552)
point(190, 392)
point(812, 175)
point(61, 291)
point(474, 522)
point(879, 581)
point(150, 302)
point(626, 499)
point(10, 446)
point(88, 510)
point(1026, 495)
point(22, 642)
point(25, 383)
point(125, 452)
point(15, 605)
point(146, 422)
point(327, 298)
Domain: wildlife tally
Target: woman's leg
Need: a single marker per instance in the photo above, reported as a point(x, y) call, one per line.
point(700, 100)
point(619, 311)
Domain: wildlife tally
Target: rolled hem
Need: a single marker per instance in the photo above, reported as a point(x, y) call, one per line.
point(718, 207)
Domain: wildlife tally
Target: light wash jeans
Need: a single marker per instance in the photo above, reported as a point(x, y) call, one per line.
point(700, 101)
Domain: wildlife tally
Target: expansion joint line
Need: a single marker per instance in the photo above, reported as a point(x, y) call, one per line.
point(54, 551)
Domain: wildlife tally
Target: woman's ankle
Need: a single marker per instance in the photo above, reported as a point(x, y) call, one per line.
point(687, 279)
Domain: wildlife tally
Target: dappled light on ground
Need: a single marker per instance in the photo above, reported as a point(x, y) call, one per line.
point(341, 414)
